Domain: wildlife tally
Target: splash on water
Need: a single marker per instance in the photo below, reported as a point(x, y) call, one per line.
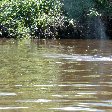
point(95, 28)
point(78, 57)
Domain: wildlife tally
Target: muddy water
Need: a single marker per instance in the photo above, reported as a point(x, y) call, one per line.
point(55, 76)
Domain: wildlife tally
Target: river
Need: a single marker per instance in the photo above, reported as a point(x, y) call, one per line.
point(55, 75)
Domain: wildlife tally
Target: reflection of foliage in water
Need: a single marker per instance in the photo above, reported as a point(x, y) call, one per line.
point(25, 63)
point(22, 66)
point(20, 59)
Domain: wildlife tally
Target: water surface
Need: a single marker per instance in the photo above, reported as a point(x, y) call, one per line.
point(55, 76)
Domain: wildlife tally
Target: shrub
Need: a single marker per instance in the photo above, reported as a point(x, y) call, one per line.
point(19, 18)
point(104, 7)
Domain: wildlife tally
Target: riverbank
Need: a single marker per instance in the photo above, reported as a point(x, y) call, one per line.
point(65, 30)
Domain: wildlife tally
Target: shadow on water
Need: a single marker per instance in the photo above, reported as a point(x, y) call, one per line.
point(55, 75)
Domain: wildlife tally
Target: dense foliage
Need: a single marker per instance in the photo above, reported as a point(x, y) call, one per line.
point(25, 17)
point(104, 7)
point(48, 18)
point(78, 8)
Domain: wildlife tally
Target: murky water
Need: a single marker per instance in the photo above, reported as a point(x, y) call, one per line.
point(55, 76)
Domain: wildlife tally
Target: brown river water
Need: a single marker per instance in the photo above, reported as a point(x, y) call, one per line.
point(55, 75)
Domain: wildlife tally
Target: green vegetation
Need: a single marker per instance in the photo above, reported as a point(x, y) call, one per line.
point(20, 18)
point(77, 8)
point(48, 18)
point(104, 7)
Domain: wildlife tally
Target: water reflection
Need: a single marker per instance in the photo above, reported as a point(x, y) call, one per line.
point(55, 75)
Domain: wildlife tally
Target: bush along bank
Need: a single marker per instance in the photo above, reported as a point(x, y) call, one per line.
point(35, 18)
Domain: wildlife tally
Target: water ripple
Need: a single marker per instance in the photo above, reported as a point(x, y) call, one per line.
point(98, 104)
point(76, 109)
point(67, 85)
point(10, 108)
point(79, 57)
point(7, 94)
point(35, 101)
